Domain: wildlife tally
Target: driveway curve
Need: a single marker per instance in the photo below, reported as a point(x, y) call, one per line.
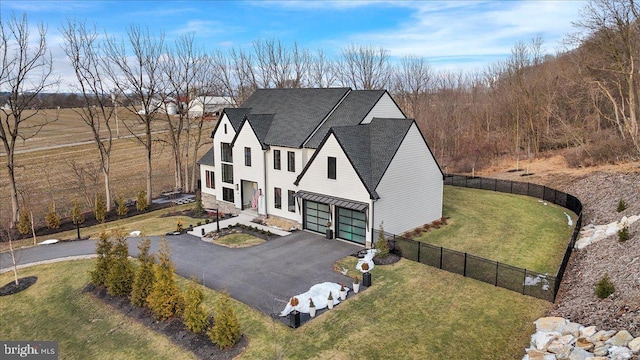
point(263, 276)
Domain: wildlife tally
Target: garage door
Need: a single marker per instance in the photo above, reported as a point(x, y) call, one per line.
point(316, 216)
point(352, 225)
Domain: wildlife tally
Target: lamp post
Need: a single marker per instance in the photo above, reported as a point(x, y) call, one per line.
point(217, 217)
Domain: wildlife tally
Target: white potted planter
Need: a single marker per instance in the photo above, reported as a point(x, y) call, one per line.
point(356, 284)
point(343, 293)
point(312, 308)
point(330, 301)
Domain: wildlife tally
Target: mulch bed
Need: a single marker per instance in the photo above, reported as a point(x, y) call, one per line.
point(390, 259)
point(199, 344)
point(23, 284)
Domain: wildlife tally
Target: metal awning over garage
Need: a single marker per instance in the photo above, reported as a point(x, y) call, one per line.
point(326, 199)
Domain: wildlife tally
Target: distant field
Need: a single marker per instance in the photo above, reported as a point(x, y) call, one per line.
point(47, 175)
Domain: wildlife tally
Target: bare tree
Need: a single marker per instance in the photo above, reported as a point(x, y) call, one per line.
point(186, 72)
point(322, 71)
point(26, 68)
point(138, 77)
point(7, 236)
point(612, 37)
point(364, 67)
point(83, 50)
point(411, 82)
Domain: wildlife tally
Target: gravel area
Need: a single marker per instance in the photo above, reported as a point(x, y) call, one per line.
point(600, 193)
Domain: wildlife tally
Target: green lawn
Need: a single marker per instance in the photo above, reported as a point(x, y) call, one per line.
point(238, 240)
point(412, 312)
point(512, 229)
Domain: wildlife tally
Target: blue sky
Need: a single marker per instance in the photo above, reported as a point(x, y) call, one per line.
point(451, 35)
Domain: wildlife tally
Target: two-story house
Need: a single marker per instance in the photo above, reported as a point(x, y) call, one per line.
point(325, 159)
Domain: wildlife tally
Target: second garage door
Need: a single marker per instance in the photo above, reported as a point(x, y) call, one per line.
point(352, 225)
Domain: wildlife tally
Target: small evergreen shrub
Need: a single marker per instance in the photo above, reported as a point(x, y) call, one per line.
point(51, 218)
point(381, 244)
point(122, 209)
point(623, 234)
point(195, 317)
point(144, 278)
point(24, 222)
point(120, 278)
point(605, 287)
point(141, 201)
point(103, 262)
point(165, 299)
point(77, 217)
point(226, 329)
point(199, 208)
point(622, 205)
point(100, 209)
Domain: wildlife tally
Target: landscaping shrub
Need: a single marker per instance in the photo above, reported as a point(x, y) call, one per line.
point(51, 218)
point(381, 244)
point(605, 287)
point(195, 317)
point(622, 205)
point(199, 208)
point(144, 278)
point(24, 222)
point(120, 278)
point(101, 270)
point(141, 201)
point(165, 300)
point(623, 234)
point(226, 329)
point(122, 209)
point(100, 208)
point(77, 217)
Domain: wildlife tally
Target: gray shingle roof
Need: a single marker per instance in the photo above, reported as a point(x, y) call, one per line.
point(351, 111)
point(236, 115)
point(297, 112)
point(260, 123)
point(207, 158)
point(371, 147)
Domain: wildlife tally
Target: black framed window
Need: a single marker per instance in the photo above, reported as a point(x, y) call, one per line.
point(277, 193)
point(247, 156)
point(291, 201)
point(276, 159)
point(211, 181)
point(227, 194)
point(225, 128)
point(227, 154)
point(227, 173)
point(331, 167)
point(291, 161)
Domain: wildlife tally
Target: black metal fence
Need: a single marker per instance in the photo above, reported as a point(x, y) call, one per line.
point(542, 286)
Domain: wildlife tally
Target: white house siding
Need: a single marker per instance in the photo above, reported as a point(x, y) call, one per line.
point(411, 189)
point(220, 137)
point(255, 172)
point(284, 180)
point(347, 184)
point(384, 108)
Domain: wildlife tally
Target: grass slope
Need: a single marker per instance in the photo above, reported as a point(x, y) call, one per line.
point(512, 229)
point(412, 312)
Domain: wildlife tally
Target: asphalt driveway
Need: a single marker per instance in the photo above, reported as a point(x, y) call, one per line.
point(263, 277)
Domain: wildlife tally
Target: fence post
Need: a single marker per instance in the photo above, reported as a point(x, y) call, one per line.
point(524, 280)
point(511, 183)
point(464, 269)
point(528, 189)
point(497, 266)
point(440, 257)
point(419, 247)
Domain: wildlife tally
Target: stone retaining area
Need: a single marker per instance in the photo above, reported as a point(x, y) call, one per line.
point(557, 338)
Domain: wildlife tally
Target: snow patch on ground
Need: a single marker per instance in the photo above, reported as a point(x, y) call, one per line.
point(367, 259)
point(569, 219)
point(319, 293)
point(135, 233)
point(48, 242)
point(534, 281)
